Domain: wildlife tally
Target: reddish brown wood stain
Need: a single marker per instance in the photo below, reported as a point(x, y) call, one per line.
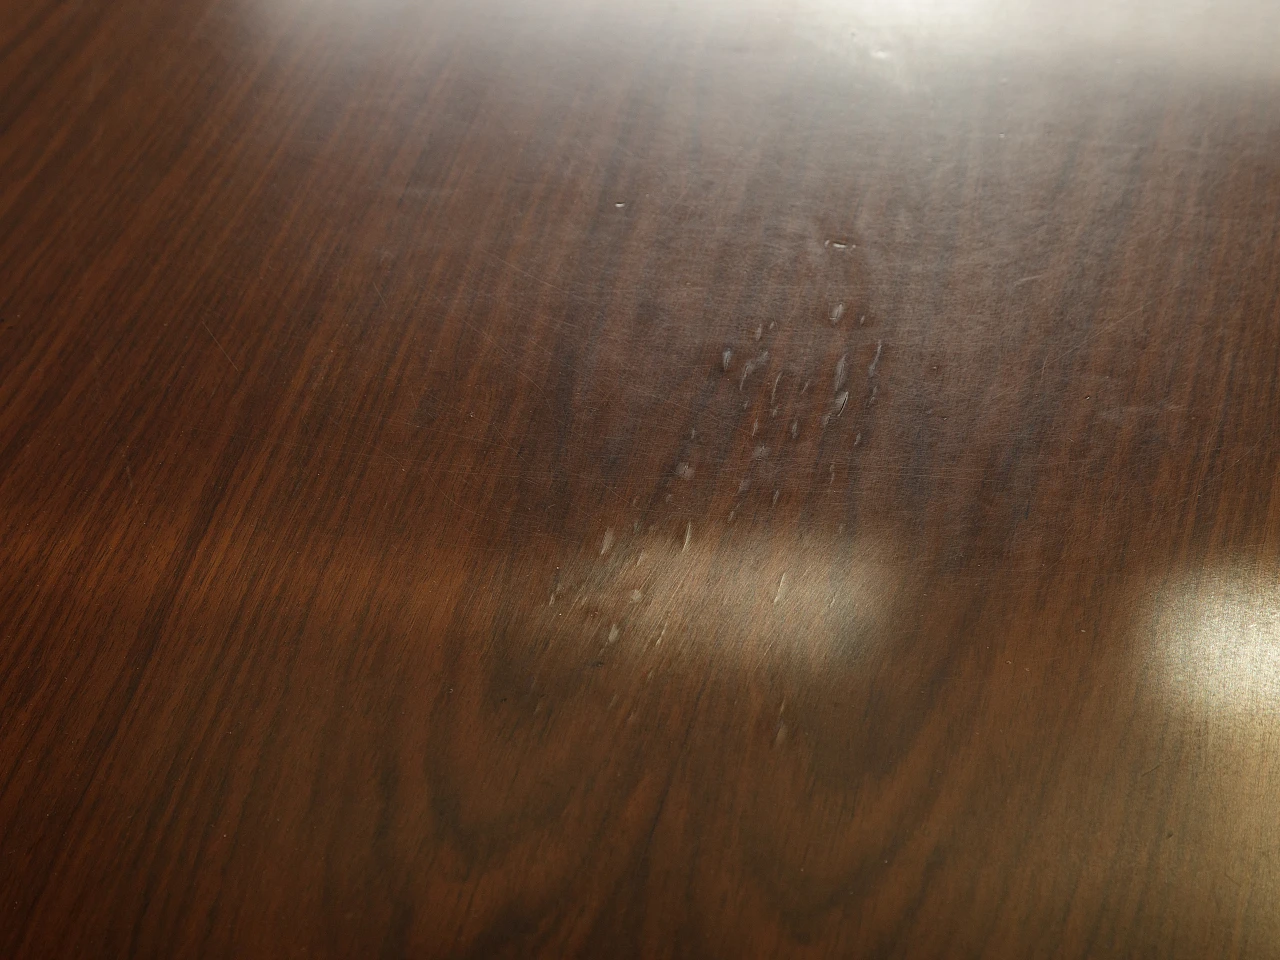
point(588, 479)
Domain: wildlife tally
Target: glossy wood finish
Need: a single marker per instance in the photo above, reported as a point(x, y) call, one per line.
point(576, 478)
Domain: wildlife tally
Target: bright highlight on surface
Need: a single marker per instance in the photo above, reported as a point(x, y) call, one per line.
point(1216, 642)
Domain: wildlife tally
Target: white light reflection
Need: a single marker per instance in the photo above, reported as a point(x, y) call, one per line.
point(1184, 32)
point(804, 600)
point(1208, 36)
point(1216, 642)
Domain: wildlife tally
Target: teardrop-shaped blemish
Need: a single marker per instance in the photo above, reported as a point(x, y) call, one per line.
point(837, 407)
point(837, 312)
point(608, 542)
point(842, 373)
point(751, 366)
point(726, 358)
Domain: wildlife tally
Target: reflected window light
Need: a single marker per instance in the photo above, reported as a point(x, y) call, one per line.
point(807, 599)
point(1216, 643)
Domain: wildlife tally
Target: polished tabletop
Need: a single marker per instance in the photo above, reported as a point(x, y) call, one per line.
point(584, 478)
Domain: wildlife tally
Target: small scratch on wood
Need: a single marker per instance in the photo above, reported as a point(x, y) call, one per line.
point(545, 283)
point(220, 346)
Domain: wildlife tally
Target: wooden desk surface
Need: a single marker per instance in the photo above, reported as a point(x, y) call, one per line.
point(580, 478)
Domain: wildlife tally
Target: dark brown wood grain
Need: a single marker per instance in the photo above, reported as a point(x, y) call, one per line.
point(503, 479)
